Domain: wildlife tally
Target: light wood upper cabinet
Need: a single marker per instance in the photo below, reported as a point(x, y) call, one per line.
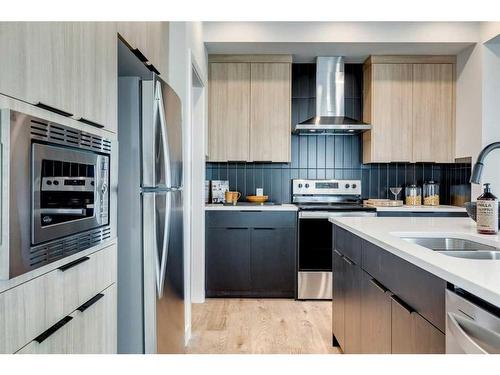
point(249, 108)
point(229, 115)
point(96, 64)
point(69, 66)
point(410, 103)
point(388, 107)
point(151, 39)
point(270, 87)
point(433, 131)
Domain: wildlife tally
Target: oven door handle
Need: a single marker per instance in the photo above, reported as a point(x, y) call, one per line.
point(329, 214)
point(63, 211)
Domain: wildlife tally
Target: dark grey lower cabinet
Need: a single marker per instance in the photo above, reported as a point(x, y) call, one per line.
point(338, 298)
point(384, 304)
point(352, 297)
point(228, 260)
point(375, 316)
point(250, 253)
point(412, 334)
point(273, 261)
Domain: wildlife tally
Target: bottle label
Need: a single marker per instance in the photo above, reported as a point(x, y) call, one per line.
point(487, 215)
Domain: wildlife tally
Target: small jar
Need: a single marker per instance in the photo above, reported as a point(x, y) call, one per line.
point(431, 193)
point(413, 195)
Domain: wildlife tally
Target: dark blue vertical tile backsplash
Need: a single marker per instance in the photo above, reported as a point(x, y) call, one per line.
point(337, 156)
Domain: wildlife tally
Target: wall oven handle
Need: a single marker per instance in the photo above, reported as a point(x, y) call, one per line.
point(63, 211)
point(456, 325)
point(73, 264)
point(56, 327)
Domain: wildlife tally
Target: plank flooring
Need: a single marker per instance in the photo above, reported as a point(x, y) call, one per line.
point(261, 326)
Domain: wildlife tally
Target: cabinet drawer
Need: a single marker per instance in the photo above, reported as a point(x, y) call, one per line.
point(421, 290)
point(254, 219)
point(45, 300)
point(347, 244)
point(90, 329)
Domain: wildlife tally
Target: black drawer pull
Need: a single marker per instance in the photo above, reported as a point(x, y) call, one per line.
point(402, 304)
point(251, 211)
point(337, 252)
point(236, 228)
point(44, 336)
point(91, 123)
point(73, 264)
point(152, 68)
point(90, 302)
point(53, 109)
point(265, 228)
point(348, 260)
point(378, 285)
point(137, 52)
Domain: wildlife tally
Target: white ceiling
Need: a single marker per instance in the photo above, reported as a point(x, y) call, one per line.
point(354, 52)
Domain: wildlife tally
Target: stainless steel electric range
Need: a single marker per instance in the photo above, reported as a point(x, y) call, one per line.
point(318, 200)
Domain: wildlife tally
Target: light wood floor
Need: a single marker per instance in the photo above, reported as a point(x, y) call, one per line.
point(263, 326)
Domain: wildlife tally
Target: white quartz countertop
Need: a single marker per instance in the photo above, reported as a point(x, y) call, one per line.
point(251, 207)
point(405, 208)
point(479, 277)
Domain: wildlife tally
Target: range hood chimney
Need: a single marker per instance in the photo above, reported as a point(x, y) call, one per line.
point(330, 111)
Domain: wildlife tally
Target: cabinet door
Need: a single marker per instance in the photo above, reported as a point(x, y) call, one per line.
point(389, 90)
point(229, 111)
point(428, 339)
point(91, 329)
point(401, 328)
point(338, 298)
point(375, 317)
point(352, 296)
point(95, 324)
point(96, 79)
point(270, 134)
point(14, 59)
point(433, 113)
point(273, 261)
point(227, 260)
point(412, 334)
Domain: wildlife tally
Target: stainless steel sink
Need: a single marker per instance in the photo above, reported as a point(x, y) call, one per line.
point(478, 254)
point(457, 247)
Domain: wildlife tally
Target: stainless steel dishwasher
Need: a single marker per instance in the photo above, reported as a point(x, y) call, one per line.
point(472, 325)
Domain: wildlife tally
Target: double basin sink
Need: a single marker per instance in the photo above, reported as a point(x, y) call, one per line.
point(457, 247)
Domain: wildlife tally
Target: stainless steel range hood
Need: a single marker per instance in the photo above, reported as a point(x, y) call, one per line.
point(330, 113)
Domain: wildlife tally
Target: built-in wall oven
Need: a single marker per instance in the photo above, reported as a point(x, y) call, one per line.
point(318, 200)
point(55, 192)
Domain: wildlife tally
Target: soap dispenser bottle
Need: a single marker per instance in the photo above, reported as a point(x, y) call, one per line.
point(487, 212)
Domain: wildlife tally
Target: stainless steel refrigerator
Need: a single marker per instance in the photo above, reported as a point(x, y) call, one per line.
point(150, 217)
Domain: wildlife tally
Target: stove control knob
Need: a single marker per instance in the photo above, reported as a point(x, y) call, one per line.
point(354, 186)
point(300, 186)
point(307, 186)
point(347, 186)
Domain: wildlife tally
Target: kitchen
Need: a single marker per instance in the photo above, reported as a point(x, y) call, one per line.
point(248, 187)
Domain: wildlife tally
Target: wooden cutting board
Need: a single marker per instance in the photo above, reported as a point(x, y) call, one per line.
point(383, 203)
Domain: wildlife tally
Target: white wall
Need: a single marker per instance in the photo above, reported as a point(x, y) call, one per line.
point(186, 45)
point(340, 32)
point(490, 34)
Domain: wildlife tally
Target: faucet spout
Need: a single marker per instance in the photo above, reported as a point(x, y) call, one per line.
point(477, 171)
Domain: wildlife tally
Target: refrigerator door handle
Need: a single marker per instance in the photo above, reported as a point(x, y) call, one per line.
point(160, 110)
point(163, 257)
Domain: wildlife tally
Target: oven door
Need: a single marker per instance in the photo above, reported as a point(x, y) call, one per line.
point(69, 191)
point(314, 279)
